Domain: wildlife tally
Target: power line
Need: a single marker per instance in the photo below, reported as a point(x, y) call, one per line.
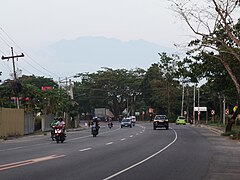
point(28, 56)
point(14, 71)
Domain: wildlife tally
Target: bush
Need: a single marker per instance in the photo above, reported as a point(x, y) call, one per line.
point(234, 134)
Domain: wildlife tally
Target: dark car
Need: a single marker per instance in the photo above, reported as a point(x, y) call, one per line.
point(160, 121)
point(126, 122)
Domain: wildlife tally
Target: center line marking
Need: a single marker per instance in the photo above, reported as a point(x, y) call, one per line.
point(86, 149)
point(27, 162)
point(123, 139)
point(131, 136)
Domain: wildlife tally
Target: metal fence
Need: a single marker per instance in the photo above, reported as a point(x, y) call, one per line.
point(16, 122)
point(11, 122)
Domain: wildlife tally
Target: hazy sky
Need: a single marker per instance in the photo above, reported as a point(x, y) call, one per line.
point(37, 23)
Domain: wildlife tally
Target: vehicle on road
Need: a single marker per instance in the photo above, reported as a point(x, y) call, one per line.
point(181, 120)
point(53, 133)
point(160, 121)
point(59, 134)
point(133, 120)
point(110, 125)
point(126, 122)
point(95, 126)
point(94, 131)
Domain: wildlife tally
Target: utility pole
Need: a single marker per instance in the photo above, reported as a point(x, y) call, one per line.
point(14, 69)
point(182, 100)
point(224, 110)
point(194, 94)
point(198, 105)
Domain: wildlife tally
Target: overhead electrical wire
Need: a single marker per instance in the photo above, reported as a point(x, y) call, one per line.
point(54, 74)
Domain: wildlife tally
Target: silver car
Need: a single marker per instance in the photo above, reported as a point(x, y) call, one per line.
point(126, 122)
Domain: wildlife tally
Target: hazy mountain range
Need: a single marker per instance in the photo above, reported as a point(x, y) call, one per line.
point(89, 54)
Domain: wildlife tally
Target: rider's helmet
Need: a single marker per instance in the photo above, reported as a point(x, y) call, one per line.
point(60, 118)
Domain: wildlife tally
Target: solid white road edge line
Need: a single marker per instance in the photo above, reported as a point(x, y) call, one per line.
point(134, 165)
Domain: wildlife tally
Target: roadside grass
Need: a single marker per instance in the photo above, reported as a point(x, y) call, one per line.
point(234, 134)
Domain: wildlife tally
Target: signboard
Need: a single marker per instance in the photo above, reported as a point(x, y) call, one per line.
point(137, 113)
point(150, 110)
point(235, 108)
point(200, 108)
point(227, 111)
point(44, 88)
point(212, 112)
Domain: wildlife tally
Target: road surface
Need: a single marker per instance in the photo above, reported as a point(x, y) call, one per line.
point(182, 152)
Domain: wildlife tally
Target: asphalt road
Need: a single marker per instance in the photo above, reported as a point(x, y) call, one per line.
point(182, 152)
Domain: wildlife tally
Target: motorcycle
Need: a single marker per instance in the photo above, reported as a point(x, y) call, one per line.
point(53, 133)
point(94, 131)
point(59, 134)
point(110, 125)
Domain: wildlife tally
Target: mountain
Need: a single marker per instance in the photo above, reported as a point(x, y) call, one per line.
point(89, 54)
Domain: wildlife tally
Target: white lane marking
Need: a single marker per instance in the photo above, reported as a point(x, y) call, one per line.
point(86, 149)
point(137, 134)
point(123, 139)
point(131, 136)
point(141, 132)
point(144, 160)
point(82, 137)
point(109, 143)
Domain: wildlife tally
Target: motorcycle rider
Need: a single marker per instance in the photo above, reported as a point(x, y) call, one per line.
point(95, 123)
point(62, 124)
point(52, 125)
point(110, 124)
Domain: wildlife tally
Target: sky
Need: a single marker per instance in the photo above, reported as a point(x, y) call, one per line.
point(32, 25)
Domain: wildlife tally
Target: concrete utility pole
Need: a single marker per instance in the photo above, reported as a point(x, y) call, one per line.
point(182, 99)
point(14, 69)
point(224, 110)
point(198, 105)
point(194, 94)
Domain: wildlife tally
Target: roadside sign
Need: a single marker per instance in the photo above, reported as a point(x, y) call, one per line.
point(137, 113)
point(212, 112)
point(235, 108)
point(150, 110)
point(227, 111)
point(200, 108)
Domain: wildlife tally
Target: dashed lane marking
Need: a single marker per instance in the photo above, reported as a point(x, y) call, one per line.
point(144, 160)
point(86, 149)
point(109, 143)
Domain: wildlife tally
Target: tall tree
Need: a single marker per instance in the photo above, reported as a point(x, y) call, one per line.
point(217, 27)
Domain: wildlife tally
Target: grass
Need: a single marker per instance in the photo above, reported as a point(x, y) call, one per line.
point(234, 134)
